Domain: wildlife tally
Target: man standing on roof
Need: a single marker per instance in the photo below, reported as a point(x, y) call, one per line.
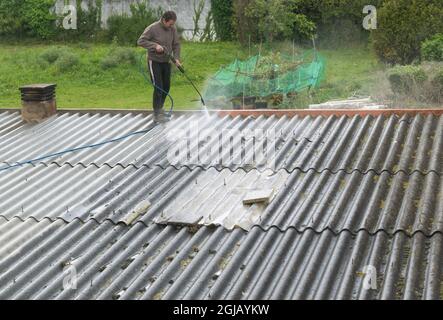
point(161, 39)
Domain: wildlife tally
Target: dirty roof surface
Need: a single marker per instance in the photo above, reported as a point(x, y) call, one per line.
point(350, 192)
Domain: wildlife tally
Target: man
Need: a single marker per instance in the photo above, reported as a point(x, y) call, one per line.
point(160, 39)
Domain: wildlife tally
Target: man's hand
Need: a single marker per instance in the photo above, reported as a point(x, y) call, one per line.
point(159, 49)
point(178, 63)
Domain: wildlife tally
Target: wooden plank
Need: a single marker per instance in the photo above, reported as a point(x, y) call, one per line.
point(258, 196)
point(140, 209)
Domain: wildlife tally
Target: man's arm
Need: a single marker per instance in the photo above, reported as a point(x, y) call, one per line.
point(145, 40)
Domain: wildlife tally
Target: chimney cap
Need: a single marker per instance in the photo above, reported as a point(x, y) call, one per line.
point(41, 86)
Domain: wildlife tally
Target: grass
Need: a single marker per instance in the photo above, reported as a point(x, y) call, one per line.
point(83, 82)
point(353, 70)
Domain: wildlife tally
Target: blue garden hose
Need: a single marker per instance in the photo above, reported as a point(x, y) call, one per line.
point(96, 145)
point(52, 155)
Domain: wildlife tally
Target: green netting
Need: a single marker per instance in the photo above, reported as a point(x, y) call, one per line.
point(262, 76)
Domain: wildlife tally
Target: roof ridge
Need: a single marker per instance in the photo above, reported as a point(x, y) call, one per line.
point(235, 169)
point(256, 226)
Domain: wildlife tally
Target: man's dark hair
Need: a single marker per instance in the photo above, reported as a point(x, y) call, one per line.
point(169, 15)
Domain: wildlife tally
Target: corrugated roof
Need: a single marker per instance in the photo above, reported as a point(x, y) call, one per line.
point(382, 143)
point(334, 201)
point(169, 262)
point(351, 192)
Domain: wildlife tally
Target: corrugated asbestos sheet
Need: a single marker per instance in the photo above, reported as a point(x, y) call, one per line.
point(350, 193)
point(169, 262)
point(312, 200)
point(363, 144)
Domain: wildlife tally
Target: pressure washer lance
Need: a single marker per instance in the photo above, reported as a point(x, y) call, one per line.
point(182, 70)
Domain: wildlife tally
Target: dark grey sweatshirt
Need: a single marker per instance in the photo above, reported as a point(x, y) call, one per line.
point(157, 33)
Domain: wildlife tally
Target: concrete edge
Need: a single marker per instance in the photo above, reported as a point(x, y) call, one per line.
point(265, 112)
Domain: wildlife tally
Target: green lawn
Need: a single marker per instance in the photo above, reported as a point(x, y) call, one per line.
point(350, 70)
point(88, 85)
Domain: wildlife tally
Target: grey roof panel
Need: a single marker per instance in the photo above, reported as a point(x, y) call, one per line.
point(51, 191)
point(167, 262)
point(14, 232)
point(356, 201)
point(311, 200)
point(364, 144)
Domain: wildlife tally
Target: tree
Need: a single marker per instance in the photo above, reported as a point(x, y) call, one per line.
point(27, 17)
point(273, 19)
point(222, 14)
point(403, 25)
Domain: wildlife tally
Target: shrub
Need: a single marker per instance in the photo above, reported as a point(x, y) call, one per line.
point(84, 45)
point(109, 63)
point(339, 22)
point(414, 85)
point(52, 54)
point(438, 79)
point(118, 57)
point(222, 12)
point(63, 59)
point(66, 62)
point(11, 21)
point(28, 18)
point(125, 55)
point(436, 93)
point(39, 17)
point(126, 29)
point(88, 21)
point(406, 79)
point(432, 49)
point(402, 27)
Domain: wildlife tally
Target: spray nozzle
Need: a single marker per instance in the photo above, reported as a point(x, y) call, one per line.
point(174, 61)
point(182, 70)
